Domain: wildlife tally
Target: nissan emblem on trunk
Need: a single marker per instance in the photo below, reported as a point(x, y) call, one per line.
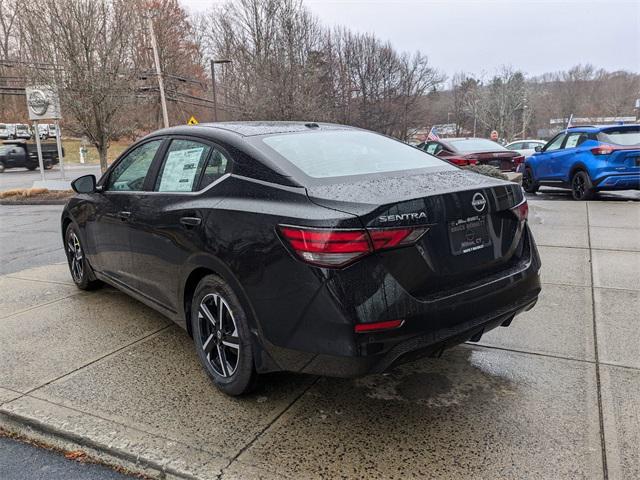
point(478, 202)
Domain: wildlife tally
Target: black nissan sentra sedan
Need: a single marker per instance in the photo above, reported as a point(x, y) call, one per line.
point(306, 247)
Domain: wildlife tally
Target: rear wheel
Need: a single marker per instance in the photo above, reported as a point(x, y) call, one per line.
point(31, 167)
point(528, 183)
point(79, 268)
point(581, 186)
point(222, 337)
point(48, 165)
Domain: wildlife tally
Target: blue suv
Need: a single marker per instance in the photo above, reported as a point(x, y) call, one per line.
point(587, 160)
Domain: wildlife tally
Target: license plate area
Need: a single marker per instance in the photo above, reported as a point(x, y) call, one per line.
point(468, 235)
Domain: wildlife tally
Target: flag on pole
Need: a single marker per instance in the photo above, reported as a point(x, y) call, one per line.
point(433, 134)
point(569, 124)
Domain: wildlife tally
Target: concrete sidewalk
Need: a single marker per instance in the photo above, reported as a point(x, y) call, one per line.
point(556, 395)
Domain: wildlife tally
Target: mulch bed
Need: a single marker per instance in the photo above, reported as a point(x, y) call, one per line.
point(33, 196)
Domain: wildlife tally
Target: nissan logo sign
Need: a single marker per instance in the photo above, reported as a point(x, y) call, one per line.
point(478, 202)
point(38, 102)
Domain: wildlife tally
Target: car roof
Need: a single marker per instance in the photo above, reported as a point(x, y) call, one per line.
point(599, 128)
point(526, 140)
point(254, 128)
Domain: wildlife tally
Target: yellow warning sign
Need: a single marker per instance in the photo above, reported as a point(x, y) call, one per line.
point(192, 121)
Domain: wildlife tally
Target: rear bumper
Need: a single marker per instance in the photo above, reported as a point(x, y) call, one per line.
point(428, 344)
point(630, 181)
point(324, 341)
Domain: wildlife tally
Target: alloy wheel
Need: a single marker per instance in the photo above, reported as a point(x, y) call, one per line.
point(219, 335)
point(578, 186)
point(76, 257)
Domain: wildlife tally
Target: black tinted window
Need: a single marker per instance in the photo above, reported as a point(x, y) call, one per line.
point(216, 167)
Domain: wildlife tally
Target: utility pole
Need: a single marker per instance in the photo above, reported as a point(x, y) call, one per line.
point(156, 59)
point(213, 85)
point(524, 121)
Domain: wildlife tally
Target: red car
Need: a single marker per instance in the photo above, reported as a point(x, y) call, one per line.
point(473, 151)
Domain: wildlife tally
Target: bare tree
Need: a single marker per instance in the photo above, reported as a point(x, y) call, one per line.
point(88, 45)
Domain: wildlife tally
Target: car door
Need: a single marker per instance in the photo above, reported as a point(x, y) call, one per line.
point(563, 159)
point(168, 223)
point(109, 230)
point(543, 163)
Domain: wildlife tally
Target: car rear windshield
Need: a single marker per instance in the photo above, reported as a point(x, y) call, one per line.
point(344, 153)
point(622, 136)
point(475, 145)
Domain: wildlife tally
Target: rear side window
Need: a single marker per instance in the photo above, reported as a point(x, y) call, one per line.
point(575, 139)
point(343, 153)
point(216, 167)
point(621, 136)
point(182, 166)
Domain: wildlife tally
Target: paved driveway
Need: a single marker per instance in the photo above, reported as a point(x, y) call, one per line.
point(556, 395)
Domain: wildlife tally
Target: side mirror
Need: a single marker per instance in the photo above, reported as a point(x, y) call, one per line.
point(84, 184)
point(538, 148)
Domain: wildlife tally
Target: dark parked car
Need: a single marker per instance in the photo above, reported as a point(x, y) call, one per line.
point(474, 151)
point(22, 154)
point(313, 248)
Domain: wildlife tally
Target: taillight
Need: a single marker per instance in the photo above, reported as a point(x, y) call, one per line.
point(521, 210)
point(338, 248)
point(518, 160)
point(460, 161)
point(603, 150)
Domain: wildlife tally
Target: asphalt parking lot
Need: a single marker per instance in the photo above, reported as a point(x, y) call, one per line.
point(22, 178)
point(556, 395)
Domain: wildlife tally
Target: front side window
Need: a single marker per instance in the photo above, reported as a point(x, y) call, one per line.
point(555, 144)
point(344, 153)
point(129, 174)
point(182, 166)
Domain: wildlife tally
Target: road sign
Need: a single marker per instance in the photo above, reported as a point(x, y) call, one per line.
point(192, 121)
point(43, 103)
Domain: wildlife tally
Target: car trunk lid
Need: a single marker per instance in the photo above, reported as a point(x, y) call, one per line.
point(472, 228)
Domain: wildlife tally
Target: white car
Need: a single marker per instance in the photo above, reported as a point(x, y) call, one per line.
point(525, 147)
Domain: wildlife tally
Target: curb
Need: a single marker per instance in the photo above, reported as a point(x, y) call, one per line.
point(34, 430)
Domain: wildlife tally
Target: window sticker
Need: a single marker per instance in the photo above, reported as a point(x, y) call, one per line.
point(180, 170)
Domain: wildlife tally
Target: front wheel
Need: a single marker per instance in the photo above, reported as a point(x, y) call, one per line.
point(581, 186)
point(222, 337)
point(528, 182)
point(79, 268)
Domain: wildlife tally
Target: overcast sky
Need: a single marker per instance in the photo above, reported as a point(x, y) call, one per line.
point(479, 36)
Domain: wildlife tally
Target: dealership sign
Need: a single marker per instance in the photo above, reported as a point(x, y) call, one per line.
point(43, 103)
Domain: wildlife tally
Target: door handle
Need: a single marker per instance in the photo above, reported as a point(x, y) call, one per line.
point(190, 221)
point(124, 215)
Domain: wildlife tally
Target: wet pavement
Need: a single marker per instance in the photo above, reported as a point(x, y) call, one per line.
point(555, 395)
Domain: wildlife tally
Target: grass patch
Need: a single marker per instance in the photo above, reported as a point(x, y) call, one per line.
point(72, 151)
point(35, 196)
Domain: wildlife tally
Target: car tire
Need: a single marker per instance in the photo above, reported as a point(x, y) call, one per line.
point(581, 186)
point(222, 337)
point(48, 165)
point(528, 183)
point(33, 167)
point(81, 272)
